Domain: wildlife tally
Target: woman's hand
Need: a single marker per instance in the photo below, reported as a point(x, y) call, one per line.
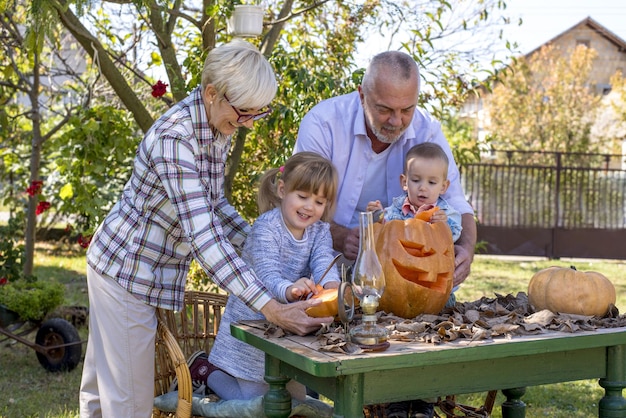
point(292, 316)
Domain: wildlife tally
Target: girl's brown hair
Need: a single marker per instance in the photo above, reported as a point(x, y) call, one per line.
point(305, 171)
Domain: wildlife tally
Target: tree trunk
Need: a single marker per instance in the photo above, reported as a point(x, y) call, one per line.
point(163, 31)
point(35, 160)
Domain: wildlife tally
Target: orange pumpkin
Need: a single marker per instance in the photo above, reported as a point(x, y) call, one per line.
point(329, 305)
point(418, 263)
point(567, 290)
point(427, 214)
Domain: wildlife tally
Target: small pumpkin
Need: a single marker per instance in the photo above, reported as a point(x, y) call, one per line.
point(567, 290)
point(428, 213)
point(329, 305)
point(418, 262)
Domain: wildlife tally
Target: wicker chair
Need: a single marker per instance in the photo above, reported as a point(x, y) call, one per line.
point(180, 334)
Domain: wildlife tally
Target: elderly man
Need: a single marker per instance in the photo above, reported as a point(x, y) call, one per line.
point(366, 135)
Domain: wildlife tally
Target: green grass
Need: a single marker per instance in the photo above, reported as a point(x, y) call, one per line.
point(511, 275)
point(27, 390)
point(506, 275)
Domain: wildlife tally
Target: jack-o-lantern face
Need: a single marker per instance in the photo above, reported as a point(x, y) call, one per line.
point(418, 262)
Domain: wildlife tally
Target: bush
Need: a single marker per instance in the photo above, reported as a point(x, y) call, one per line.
point(31, 299)
point(11, 249)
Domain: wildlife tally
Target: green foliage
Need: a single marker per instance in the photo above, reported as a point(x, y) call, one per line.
point(197, 279)
point(30, 298)
point(462, 140)
point(480, 247)
point(92, 162)
point(11, 248)
point(449, 68)
point(327, 48)
point(313, 53)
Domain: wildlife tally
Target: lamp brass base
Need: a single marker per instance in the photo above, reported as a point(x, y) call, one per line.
point(375, 347)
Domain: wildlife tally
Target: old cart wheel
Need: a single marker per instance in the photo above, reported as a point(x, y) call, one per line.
point(55, 332)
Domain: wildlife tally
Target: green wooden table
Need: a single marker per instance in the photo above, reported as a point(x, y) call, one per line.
point(419, 370)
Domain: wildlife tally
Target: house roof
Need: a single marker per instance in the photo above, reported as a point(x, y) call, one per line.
point(594, 25)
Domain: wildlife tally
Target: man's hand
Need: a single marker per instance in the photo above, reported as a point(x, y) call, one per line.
point(345, 240)
point(292, 316)
point(462, 264)
point(464, 249)
point(374, 206)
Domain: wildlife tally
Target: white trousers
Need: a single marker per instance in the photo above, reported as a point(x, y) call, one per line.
point(118, 372)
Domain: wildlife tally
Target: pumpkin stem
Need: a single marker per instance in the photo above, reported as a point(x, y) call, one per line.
point(572, 267)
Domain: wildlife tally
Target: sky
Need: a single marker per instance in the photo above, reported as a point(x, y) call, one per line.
point(542, 21)
point(545, 19)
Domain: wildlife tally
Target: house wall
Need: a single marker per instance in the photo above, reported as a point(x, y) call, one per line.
point(610, 57)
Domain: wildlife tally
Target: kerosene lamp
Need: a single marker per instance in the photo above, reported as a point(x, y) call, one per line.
point(368, 285)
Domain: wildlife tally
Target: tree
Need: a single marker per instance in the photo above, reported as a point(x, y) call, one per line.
point(609, 128)
point(545, 103)
point(34, 70)
point(311, 43)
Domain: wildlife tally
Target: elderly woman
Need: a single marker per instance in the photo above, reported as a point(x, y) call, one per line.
point(173, 210)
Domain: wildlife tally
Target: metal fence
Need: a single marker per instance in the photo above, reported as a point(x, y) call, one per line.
point(548, 194)
point(548, 190)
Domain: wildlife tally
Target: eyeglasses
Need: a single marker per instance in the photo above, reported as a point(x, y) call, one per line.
point(242, 117)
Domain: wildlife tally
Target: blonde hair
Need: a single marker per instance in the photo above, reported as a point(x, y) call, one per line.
point(305, 171)
point(239, 70)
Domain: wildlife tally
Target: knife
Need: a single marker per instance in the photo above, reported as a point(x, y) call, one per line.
point(332, 263)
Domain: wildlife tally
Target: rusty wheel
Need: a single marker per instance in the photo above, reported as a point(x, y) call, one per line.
point(57, 332)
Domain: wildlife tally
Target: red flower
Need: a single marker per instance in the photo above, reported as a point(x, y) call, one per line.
point(159, 89)
point(3, 281)
point(42, 207)
point(84, 241)
point(34, 188)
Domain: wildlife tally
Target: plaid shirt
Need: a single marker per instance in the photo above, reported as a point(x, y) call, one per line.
point(172, 210)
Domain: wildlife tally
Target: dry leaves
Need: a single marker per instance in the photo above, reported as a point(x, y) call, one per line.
point(486, 318)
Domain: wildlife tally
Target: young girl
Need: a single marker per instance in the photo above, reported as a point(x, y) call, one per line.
point(289, 248)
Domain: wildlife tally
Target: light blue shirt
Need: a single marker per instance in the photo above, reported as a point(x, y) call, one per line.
point(335, 128)
point(454, 217)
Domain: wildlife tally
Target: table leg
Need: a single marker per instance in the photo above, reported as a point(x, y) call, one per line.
point(613, 404)
point(277, 400)
point(349, 402)
point(513, 407)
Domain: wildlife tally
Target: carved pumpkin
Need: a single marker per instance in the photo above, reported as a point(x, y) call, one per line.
point(567, 290)
point(418, 262)
point(329, 305)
